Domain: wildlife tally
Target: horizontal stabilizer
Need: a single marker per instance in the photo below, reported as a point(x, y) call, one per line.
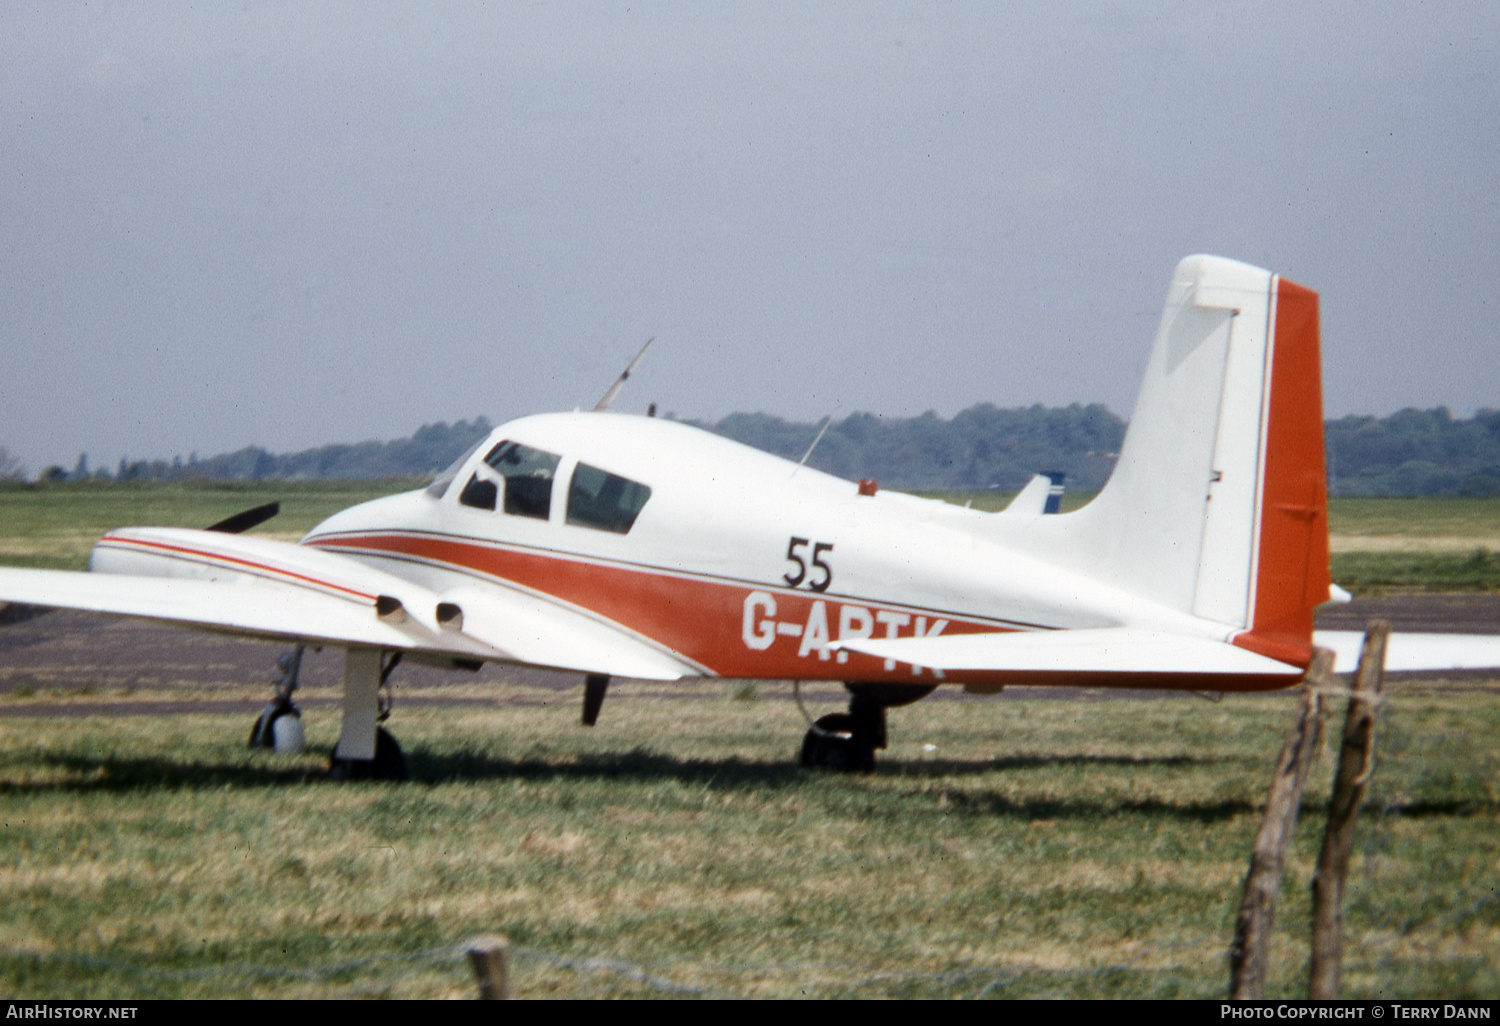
point(1130, 651)
point(1413, 652)
point(1114, 650)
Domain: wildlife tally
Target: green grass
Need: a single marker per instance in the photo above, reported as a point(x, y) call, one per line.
point(1421, 517)
point(1374, 572)
point(1041, 848)
point(55, 526)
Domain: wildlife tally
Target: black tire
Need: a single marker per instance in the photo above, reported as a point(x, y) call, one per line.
point(837, 746)
point(389, 762)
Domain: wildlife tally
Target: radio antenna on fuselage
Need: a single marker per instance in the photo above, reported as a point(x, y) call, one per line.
point(821, 432)
point(614, 389)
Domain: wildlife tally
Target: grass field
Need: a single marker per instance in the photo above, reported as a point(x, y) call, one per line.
point(1378, 544)
point(55, 527)
point(1039, 848)
point(1429, 518)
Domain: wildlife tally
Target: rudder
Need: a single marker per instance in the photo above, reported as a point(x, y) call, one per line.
point(1291, 555)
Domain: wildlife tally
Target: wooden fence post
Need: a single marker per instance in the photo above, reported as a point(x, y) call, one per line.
point(1252, 927)
point(487, 957)
point(1356, 761)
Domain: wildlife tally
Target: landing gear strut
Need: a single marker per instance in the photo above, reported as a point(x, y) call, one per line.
point(367, 751)
point(594, 687)
point(846, 742)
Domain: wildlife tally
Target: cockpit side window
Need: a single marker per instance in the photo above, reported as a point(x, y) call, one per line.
point(528, 477)
point(480, 493)
point(440, 485)
point(604, 501)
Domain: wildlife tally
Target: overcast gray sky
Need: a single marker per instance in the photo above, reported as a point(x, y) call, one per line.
point(291, 224)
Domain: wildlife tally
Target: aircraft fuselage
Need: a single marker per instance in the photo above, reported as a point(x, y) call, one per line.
point(739, 563)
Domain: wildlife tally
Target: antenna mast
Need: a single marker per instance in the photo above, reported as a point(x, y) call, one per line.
point(614, 389)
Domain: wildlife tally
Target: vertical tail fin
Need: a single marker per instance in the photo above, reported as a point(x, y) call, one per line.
point(1217, 505)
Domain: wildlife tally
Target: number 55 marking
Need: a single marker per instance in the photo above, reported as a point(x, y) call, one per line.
point(797, 577)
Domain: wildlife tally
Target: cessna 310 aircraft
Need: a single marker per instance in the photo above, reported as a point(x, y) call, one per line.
point(624, 546)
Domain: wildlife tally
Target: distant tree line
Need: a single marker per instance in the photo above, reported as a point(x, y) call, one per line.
point(981, 447)
point(431, 448)
point(1413, 452)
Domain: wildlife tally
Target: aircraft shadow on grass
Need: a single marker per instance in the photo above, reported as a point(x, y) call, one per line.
point(641, 766)
point(118, 775)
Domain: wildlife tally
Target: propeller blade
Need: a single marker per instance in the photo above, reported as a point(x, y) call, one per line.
point(614, 389)
point(242, 522)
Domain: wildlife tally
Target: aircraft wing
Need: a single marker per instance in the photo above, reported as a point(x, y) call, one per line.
point(262, 588)
point(249, 608)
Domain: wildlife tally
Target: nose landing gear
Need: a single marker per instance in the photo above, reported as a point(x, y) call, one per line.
point(279, 727)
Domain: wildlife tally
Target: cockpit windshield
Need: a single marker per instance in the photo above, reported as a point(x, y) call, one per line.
point(527, 474)
point(518, 479)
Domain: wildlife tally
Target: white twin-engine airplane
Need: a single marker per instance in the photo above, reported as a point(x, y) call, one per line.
point(624, 546)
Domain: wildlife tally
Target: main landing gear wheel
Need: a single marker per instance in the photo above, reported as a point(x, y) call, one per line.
point(835, 744)
point(389, 762)
point(846, 742)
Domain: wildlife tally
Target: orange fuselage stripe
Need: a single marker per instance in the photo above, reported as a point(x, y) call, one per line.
point(706, 620)
point(703, 620)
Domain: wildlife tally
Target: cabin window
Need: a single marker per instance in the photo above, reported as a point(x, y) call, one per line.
point(527, 473)
point(604, 501)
